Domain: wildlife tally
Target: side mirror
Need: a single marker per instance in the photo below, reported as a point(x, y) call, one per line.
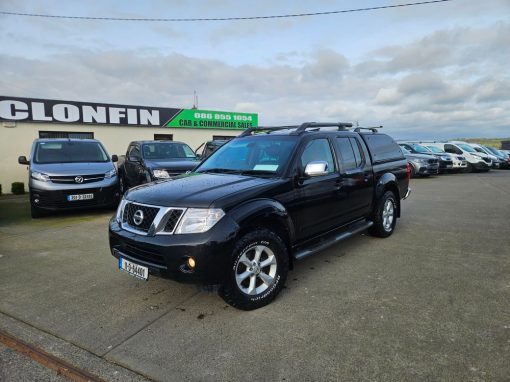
point(316, 168)
point(115, 158)
point(23, 160)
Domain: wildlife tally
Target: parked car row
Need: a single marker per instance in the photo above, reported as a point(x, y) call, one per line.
point(435, 157)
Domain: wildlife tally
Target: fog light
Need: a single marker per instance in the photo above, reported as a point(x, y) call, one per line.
point(191, 262)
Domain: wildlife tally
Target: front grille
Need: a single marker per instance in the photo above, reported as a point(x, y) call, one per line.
point(487, 160)
point(143, 220)
point(432, 161)
point(71, 179)
point(144, 255)
point(173, 218)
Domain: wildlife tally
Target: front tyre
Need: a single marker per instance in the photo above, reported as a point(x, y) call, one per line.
point(385, 215)
point(36, 212)
point(258, 272)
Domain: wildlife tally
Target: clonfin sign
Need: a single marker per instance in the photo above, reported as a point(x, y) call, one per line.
point(57, 111)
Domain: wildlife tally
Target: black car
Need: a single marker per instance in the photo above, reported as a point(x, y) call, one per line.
point(147, 161)
point(260, 202)
point(209, 147)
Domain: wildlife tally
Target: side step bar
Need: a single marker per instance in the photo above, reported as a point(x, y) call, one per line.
point(326, 243)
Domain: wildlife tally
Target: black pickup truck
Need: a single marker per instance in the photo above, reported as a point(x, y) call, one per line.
point(260, 202)
point(147, 161)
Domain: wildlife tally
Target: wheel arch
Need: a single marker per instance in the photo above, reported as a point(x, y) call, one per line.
point(265, 213)
point(388, 182)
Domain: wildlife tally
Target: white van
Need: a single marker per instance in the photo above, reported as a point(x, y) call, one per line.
point(475, 161)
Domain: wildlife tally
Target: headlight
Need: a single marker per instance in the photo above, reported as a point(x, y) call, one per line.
point(197, 220)
point(39, 176)
point(160, 174)
point(110, 174)
point(120, 210)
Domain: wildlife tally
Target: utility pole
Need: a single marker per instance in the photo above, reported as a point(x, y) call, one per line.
point(195, 100)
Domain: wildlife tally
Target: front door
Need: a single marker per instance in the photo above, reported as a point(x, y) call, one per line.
point(316, 198)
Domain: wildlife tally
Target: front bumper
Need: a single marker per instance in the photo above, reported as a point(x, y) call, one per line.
point(55, 200)
point(428, 169)
point(166, 255)
point(481, 166)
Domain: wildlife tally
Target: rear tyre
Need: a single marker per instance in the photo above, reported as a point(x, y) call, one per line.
point(258, 271)
point(384, 216)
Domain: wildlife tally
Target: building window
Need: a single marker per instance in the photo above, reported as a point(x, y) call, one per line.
point(163, 137)
point(66, 134)
point(222, 137)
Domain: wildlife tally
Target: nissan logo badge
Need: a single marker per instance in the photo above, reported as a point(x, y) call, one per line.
point(78, 179)
point(138, 217)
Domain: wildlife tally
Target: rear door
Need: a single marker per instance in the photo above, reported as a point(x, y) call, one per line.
point(356, 178)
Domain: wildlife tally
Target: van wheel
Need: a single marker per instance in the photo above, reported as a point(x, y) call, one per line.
point(36, 213)
point(385, 216)
point(469, 168)
point(258, 271)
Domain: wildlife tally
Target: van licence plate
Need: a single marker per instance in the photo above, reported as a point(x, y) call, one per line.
point(139, 271)
point(72, 198)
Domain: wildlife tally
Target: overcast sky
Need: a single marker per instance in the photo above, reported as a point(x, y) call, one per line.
point(427, 71)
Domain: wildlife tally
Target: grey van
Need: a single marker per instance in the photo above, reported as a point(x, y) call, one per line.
point(70, 174)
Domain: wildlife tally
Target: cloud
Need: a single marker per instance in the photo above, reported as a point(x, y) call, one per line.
point(453, 82)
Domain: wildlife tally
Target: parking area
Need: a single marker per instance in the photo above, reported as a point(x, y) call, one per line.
point(432, 302)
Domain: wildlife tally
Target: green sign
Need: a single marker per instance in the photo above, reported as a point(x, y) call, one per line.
point(207, 119)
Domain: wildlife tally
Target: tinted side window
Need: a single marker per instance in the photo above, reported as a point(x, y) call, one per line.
point(452, 149)
point(382, 147)
point(134, 152)
point(318, 150)
point(357, 153)
point(346, 153)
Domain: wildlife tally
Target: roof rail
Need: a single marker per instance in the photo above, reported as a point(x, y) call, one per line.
point(262, 128)
point(372, 129)
point(342, 126)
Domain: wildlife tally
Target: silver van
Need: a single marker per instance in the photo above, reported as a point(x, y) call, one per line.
point(70, 174)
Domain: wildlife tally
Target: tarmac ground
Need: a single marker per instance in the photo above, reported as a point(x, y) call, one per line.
point(430, 303)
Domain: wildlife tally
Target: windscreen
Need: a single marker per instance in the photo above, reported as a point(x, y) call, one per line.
point(493, 150)
point(435, 149)
point(69, 152)
point(420, 149)
point(256, 154)
point(467, 148)
point(167, 150)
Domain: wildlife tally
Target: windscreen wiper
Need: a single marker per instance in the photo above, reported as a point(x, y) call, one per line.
point(257, 172)
point(222, 170)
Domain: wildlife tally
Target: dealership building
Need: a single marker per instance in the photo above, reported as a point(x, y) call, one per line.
point(25, 119)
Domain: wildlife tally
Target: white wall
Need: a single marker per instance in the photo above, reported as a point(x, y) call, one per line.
point(17, 140)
